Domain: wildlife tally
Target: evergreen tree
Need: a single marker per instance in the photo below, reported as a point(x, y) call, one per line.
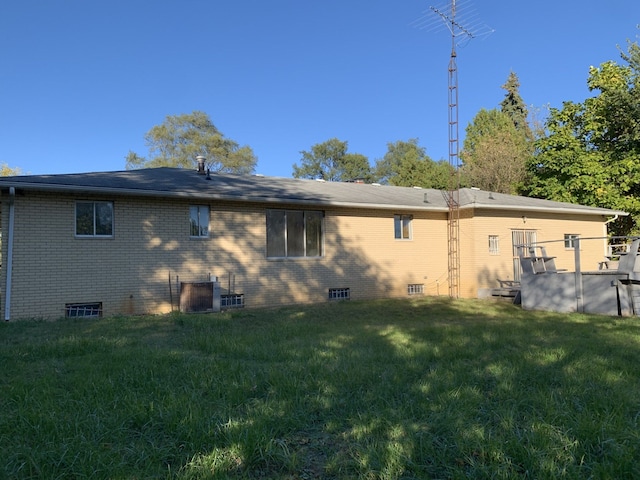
point(514, 107)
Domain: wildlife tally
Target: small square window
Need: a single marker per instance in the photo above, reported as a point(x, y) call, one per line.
point(570, 240)
point(199, 220)
point(402, 226)
point(94, 219)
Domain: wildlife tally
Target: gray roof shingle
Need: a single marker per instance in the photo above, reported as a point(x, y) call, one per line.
point(177, 182)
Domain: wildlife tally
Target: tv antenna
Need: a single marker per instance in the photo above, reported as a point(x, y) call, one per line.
point(462, 29)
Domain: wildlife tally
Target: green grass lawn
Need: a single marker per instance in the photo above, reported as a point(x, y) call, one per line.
point(431, 388)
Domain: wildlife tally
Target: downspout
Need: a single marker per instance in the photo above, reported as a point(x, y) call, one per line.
point(605, 233)
point(578, 277)
point(7, 297)
point(615, 217)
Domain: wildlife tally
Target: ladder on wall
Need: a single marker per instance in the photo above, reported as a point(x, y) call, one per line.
point(454, 184)
point(454, 243)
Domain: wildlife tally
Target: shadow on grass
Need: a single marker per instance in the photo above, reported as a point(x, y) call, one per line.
point(432, 388)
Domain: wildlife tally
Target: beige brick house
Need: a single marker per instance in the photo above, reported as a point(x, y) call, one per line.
point(121, 242)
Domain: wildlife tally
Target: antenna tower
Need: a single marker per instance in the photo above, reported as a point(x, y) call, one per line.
point(458, 33)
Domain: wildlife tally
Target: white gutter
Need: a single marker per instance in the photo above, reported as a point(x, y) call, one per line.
point(575, 209)
point(7, 296)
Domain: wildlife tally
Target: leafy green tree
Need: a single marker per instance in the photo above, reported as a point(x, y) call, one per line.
point(181, 138)
point(330, 161)
point(498, 144)
point(407, 164)
point(591, 154)
point(495, 153)
point(537, 118)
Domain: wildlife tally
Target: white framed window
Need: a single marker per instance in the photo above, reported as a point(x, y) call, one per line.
point(494, 245)
point(570, 240)
point(94, 219)
point(339, 294)
point(295, 233)
point(415, 289)
point(199, 221)
point(402, 227)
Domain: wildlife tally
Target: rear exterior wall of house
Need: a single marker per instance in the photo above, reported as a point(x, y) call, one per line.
point(488, 261)
point(137, 269)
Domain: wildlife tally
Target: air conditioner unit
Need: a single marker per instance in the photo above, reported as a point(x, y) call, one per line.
point(199, 297)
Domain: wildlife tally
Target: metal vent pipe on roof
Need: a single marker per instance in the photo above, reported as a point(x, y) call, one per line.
point(201, 161)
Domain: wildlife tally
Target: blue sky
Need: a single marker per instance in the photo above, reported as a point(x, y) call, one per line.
point(82, 81)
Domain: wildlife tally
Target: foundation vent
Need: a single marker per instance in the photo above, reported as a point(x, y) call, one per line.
point(83, 310)
point(234, 300)
point(339, 294)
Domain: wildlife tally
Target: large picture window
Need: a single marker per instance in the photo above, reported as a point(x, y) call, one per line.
point(199, 220)
point(294, 233)
point(94, 219)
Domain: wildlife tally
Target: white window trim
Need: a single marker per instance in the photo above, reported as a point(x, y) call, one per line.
point(569, 240)
point(494, 245)
point(401, 218)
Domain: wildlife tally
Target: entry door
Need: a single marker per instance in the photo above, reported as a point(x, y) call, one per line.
point(522, 239)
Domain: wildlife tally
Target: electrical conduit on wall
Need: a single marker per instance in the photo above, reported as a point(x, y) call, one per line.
point(7, 297)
